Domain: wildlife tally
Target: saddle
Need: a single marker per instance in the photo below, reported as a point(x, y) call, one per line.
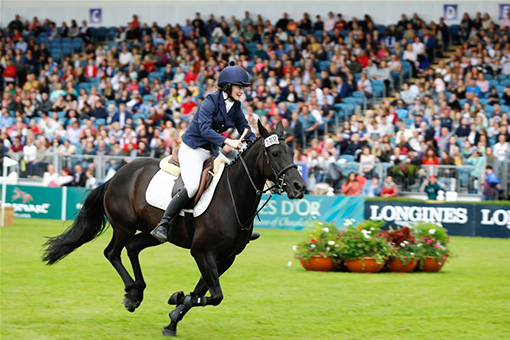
point(210, 168)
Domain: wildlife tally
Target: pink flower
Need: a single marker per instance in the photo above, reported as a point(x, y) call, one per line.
point(436, 246)
point(429, 241)
point(313, 240)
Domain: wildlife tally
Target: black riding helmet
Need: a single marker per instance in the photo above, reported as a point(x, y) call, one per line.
point(233, 75)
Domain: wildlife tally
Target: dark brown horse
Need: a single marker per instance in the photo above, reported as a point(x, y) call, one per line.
point(215, 237)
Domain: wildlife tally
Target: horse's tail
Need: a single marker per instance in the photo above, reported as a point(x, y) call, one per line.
point(89, 224)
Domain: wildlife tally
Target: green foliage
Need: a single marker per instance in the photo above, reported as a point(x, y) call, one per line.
point(428, 229)
point(321, 240)
point(372, 225)
point(358, 243)
point(433, 238)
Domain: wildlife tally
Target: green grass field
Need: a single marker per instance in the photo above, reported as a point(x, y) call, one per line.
point(80, 298)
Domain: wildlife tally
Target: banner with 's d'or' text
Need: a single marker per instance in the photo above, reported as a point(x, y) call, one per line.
point(282, 213)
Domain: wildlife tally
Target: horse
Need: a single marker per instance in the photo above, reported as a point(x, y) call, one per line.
point(214, 238)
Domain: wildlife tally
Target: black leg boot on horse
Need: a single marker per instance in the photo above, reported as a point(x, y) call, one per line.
point(164, 228)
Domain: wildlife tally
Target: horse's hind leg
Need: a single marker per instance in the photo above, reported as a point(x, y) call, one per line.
point(185, 303)
point(138, 243)
point(112, 253)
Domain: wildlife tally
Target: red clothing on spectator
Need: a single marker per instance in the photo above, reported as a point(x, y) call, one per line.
point(363, 60)
point(17, 148)
point(91, 71)
point(133, 87)
point(340, 25)
point(190, 76)
point(389, 191)
point(149, 67)
point(9, 72)
point(351, 189)
point(428, 161)
point(187, 107)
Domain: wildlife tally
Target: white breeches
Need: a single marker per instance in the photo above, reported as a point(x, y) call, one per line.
point(191, 162)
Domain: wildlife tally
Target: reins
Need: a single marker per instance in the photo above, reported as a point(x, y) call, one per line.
point(279, 184)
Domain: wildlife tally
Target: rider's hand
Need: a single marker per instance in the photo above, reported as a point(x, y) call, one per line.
point(234, 143)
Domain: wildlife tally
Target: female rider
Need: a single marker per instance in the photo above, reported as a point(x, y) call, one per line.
point(218, 112)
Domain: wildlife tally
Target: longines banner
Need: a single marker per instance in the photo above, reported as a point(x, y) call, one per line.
point(458, 219)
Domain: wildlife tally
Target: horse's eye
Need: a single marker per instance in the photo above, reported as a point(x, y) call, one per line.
point(275, 153)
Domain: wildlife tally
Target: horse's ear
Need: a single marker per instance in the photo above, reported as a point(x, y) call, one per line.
point(262, 130)
point(279, 129)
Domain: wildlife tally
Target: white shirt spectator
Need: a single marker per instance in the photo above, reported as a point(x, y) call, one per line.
point(29, 153)
point(419, 48)
point(126, 58)
point(500, 151)
point(329, 24)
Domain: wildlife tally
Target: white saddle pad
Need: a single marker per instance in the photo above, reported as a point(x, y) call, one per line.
point(159, 191)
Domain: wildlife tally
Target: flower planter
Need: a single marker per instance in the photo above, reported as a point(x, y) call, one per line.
point(318, 264)
point(365, 265)
point(396, 266)
point(432, 265)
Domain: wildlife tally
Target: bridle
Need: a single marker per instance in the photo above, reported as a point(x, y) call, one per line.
point(279, 184)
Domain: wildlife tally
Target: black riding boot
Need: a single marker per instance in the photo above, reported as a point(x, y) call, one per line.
point(164, 227)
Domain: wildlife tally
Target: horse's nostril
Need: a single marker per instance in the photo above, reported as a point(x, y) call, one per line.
point(298, 186)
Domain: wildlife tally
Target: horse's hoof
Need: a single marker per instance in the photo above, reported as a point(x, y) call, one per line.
point(169, 332)
point(130, 305)
point(177, 298)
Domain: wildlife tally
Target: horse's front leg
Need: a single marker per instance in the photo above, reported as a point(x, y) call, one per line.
point(196, 298)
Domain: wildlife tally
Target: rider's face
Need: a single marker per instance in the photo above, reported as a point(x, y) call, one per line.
point(237, 92)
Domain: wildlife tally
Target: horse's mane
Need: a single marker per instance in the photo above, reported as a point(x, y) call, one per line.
point(239, 154)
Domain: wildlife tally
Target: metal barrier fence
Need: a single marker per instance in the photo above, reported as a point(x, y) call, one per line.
point(410, 179)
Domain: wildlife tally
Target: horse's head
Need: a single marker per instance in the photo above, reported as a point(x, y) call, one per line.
point(279, 164)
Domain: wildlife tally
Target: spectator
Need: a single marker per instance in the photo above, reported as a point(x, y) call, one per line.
point(79, 178)
point(50, 177)
point(351, 186)
point(65, 179)
point(91, 182)
point(372, 187)
point(490, 185)
point(432, 188)
point(389, 188)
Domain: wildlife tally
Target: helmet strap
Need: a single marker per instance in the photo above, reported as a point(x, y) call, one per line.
point(227, 88)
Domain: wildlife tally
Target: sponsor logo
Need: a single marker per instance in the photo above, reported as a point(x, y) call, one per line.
point(498, 217)
point(416, 214)
point(24, 196)
point(24, 206)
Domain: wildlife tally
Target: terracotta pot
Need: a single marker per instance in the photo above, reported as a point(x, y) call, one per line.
point(365, 265)
point(318, 264)
point(432, 265)
point(396, 266)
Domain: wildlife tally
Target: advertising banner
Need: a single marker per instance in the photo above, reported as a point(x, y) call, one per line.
point(74, 201)
point(282, 213)
point(35, 202)
point(492, 220)
point(459, 219)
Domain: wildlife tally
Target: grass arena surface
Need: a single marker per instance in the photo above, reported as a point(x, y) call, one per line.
point(80, 298)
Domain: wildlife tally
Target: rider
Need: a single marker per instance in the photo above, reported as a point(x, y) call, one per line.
point(218, 112)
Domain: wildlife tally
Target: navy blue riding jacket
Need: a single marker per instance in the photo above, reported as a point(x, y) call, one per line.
point(211, 120)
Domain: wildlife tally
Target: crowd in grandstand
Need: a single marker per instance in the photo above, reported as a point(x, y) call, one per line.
point(346, 90)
